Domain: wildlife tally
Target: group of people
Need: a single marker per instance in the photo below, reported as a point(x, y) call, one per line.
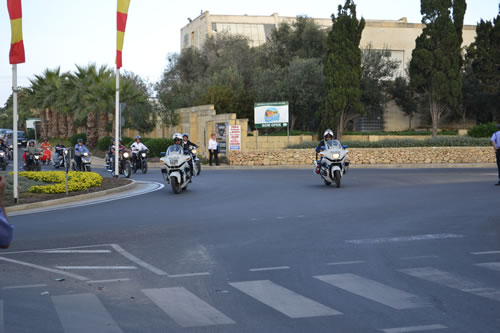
point(46, 148)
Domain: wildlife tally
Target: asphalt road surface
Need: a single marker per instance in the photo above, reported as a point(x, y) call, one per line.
point(265, 251)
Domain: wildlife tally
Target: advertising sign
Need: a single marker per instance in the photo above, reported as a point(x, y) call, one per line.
point(271, 115)
point(234, 133)
point(220, 136)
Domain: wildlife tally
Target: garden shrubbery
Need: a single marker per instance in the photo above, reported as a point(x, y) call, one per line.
point(483, 130)
point(77, 181)
point(74, 138)
point(156, 146)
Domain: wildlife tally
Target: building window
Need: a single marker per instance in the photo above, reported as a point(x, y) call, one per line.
point(186, 40)
point(214, 27)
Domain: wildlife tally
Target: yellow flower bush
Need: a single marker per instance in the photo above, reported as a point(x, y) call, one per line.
point(77, 181)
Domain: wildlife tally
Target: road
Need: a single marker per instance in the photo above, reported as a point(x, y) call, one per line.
point(401, 250)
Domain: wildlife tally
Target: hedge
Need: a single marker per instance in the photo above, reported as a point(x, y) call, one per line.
point(459, 141)
point(74, 138)
point(483, 130)
point(402, 133)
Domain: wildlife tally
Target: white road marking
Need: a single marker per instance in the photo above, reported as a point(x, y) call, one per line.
point(346, 263)
point(185, 308)
point(490, 265)
point(83, 313)
point(63, 248)
point(419, 257)
point(95, 267)
point(413, 329)
point(138, 261)
point(277, 268)
point(2, 326)
point(485, 252)
point(108, 281)
point(189, 275)
point(373, 290)
point(26, 286)
point(283, 300)
point(56, 271)
point(403, 239)
point(453, 281)
point(280, 217)
point(73, 251)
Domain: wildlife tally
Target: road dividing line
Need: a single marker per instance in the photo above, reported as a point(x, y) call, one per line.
point(108, 281)
point(453, 281)
point(277, 268)
point(185, 308)
point(284, 300)
point(26, 286)
point(61, 248)
point(2, 325)
point(56, 271)
point(403, 239)
point(490, 265)
point(485, 252)
point(413, 329)
point(73, 251)
point(138, 261)
point(83, 313)
point(373, 290)
point(95, 267)
point(346, 263)
point(189, 275)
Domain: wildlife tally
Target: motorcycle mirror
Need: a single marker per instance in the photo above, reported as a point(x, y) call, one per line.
point(345, 146)
point(162, 154)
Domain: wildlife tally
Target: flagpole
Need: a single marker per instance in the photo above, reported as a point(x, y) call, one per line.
point(117, 123)
point(14, 130)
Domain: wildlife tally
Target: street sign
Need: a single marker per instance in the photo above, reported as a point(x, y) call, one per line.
point(234, 134)
point(268, 115)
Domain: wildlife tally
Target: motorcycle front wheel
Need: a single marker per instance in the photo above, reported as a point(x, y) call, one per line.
point(176, 187)
point(88, 168)
point(144, 167)
point(198, 167)
point(126, 169)
point(336, 174)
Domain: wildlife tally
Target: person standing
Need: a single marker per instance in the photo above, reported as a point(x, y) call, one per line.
point(495, 141)
point(6, 229)
point(213, 149)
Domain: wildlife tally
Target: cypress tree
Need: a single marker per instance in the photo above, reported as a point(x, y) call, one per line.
point(435, 67)
point(343, 70)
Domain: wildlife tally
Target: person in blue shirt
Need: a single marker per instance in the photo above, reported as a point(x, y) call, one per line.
point(80, 149)
point(495, 141)
point(6, 229)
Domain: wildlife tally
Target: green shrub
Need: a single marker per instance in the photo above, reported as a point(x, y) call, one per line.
point(483, 130)
point(402, 133)
point(74, 138)
point(459, 141)
point(103, 143)
point(126, 141)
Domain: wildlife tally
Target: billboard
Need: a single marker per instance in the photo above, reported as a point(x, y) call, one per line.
point(269, 115)
point(234, 137)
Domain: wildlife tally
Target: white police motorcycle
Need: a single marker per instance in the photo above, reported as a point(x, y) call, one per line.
point(333, 162)
point(175, 168)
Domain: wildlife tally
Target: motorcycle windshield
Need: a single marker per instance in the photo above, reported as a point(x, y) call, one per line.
point(175, 150)
point(333, 144)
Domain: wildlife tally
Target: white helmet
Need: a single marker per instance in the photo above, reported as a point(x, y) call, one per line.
point(177, 136)
point(328, 132)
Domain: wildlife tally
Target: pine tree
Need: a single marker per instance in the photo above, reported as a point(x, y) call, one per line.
point(436, 60)
point(343, 70)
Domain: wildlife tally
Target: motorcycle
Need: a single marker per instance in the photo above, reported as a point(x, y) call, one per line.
point(140, 161)
point(85, 163)
point(175, 168)
point(3, 160)
point(333, 162)
point(10, 153)
point(196, 161)
point(124, 167)
point(33, 162)
point(62, 159)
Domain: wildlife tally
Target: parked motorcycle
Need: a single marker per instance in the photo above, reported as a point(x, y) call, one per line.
point(333, 162)
point(140, 162)
point(175, 168)
point(124, 167)
point(33, 162)
point(3, 160)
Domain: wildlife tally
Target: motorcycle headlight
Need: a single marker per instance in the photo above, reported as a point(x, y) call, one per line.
point(11, 146)
point(37, 157)
point(336, 156)
point(1, 153)
point(85, 154)
point(125, 155)
point(144, 155)
point(193, 151)
point(65, 152)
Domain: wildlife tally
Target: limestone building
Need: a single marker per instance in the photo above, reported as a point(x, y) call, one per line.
point(397, 38)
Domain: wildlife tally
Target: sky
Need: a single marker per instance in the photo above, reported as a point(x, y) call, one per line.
point(62, 33)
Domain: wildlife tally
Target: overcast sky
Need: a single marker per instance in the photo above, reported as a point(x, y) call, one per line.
point(68, 32)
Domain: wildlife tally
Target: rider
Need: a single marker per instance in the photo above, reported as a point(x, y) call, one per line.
point(178, 140)
point(111, 153)
point(186, 144)
point(46, 147)
point(137, 147)
point(327, 136)
point(2, 145)
point(79, 150)
point(59, 150)
point(30, 151)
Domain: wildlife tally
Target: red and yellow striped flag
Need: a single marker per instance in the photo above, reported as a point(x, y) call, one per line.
point(16, 55)
point(121, 22)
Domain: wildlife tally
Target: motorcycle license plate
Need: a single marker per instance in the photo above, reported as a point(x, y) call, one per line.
point(174, 161)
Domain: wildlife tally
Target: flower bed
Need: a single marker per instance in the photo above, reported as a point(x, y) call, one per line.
point(77, 181)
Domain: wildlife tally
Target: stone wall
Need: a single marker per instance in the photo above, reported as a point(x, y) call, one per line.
point(431, 155)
